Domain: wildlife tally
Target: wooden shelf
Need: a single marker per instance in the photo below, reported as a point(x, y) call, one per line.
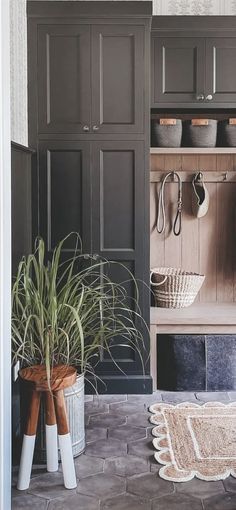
point(201, 318)
point(193, 150)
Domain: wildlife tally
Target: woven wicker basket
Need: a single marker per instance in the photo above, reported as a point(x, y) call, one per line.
point(175, 288)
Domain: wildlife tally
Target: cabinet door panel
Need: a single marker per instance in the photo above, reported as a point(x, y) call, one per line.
point(118, 228)
point(177, 69)
point(64, 78)
point(221, 69)
point(118, 78)
point(117, 206)
point(64, 179)
point(119, 274)
point(118, 184)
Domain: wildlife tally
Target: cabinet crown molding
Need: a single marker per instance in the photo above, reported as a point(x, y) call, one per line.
point(70, 9)
point(191, 23)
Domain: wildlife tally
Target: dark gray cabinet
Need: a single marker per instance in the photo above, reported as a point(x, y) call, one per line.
point(89, 65)
point(63, 78)
point(193, 62)
point(178, 69)
point(90, 78)
point(118, 78)
point(64, 192)
point(221, 69)
point(118, 227)
point(117, 175)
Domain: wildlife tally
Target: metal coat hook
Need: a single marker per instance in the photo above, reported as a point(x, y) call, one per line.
point(225, 177)
point(199, 176)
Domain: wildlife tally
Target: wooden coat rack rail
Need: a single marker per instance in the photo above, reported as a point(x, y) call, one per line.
point(158, 176)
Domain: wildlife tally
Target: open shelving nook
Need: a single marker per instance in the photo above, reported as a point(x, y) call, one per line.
point(206, 246)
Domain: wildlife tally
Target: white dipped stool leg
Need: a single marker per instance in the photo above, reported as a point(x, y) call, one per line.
point(65, 445)
point(26, 462)
point(51, 448)
point(28, 443)
point(51, 434)
point(67, 461)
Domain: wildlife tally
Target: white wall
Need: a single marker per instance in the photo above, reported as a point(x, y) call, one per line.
point(18, 58)
point(194, 7)
point(5, 261)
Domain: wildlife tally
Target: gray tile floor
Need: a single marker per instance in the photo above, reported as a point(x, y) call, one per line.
point(118, 471)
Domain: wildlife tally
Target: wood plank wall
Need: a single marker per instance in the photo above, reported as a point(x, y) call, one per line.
point(208, 245)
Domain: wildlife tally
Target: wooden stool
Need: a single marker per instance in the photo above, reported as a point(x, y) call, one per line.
point(62, 376)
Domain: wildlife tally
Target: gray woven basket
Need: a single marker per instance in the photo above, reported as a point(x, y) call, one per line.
point(226, 136)
point(175, 288)
point(200, 136)
point(166, 136)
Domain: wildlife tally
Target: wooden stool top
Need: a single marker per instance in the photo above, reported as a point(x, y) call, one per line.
point(62, 376)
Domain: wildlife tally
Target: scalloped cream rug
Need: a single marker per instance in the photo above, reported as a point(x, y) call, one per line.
point(195, 440)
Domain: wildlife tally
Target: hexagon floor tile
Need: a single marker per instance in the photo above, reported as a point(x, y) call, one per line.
point(23, 501)
point(127, 408)
point(126, 466)
point(125, 502)
point(176, 502)
point(95, 407)
point(199, 488)
point(102, 485)
point(232, 395)
point(114, 475)
point(87, 466)
point(94, 434)
point(149, 486)
point(88, 398)
point(49, 486)
point(111, 399)
point(106, 448)
point(107, 420)
point(175, 397)
point(127, 433)
point(230, 484)
point(223, 502)
point(145, 399)
point(142, 448)
point(213, 396)
point(78, 501)
point(139, 419)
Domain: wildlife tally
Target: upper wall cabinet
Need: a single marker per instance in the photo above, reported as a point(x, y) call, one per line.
point(63, 78)
point(117, 78)
point(91, 78)
point(193, 63)
point(221, 69)
point(178, 69)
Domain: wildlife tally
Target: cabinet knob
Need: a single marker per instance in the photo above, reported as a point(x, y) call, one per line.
point(85, 128)
point(209, 97)
point(200, 97)
point(95, 128)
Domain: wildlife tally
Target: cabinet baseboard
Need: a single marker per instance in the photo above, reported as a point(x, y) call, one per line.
point(132, 384)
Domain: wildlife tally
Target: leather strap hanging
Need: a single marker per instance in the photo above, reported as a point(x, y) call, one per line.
point(161, 214)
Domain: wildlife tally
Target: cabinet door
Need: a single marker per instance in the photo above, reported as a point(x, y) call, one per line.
point(119, 228)
point(64, 193)
point(63, 78)
point(118, 78)
point(178, 70)
point(221, 70)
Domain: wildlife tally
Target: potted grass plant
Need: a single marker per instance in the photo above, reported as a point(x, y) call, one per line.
point(68, 312)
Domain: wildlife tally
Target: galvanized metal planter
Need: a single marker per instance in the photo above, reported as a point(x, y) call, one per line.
point(74, 398)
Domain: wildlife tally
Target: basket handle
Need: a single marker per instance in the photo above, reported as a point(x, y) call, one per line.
point(156, 284)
